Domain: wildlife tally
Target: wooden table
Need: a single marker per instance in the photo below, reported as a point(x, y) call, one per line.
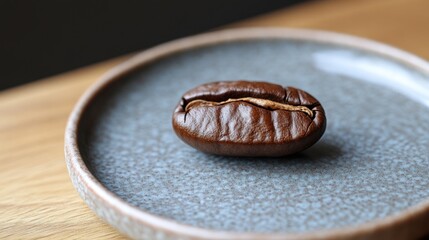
point(36, 196)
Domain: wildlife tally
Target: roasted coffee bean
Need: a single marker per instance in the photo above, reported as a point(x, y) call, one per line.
point(243, 118)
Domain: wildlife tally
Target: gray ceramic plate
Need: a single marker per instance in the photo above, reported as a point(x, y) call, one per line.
point(366, 177)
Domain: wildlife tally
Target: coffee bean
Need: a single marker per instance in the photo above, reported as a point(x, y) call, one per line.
point(243, 118)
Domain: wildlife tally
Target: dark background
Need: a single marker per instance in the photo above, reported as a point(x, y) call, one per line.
point(39, 38)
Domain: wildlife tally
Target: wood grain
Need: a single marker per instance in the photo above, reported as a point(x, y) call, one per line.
point(37, 199)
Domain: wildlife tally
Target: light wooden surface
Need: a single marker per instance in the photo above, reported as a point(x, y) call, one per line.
point(36, 196)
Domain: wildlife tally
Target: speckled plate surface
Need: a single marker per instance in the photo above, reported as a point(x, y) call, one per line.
point(366, 177)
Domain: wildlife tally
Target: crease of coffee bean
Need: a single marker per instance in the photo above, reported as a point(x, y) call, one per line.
point(286, 99)
point(263, 103)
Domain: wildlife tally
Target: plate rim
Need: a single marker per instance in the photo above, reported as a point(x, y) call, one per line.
point(114, 210)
